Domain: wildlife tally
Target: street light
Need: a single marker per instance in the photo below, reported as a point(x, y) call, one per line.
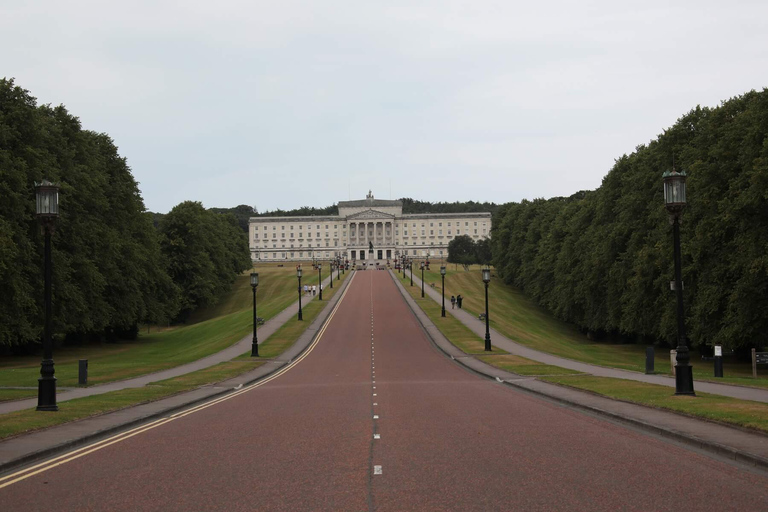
point(298, 274)
point(422, 279)
point(330, 265)
point(320, 280)
point(254, 285)
point(442, 274)
point(47, 195)
point(410, 266)
point(674, 201)
point(486, 280)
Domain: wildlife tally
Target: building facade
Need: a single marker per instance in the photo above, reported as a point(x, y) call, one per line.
point(361, 227)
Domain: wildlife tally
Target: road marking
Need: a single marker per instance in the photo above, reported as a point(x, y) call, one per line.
point(375, 416)
point(98, 445)
point(374, 403)
point(374, 394)
point(377, 436)
point(376, 470)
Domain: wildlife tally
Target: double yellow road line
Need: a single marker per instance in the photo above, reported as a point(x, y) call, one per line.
point(81, 452)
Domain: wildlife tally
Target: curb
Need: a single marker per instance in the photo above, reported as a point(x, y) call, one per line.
point(482, 369)
point(105, 432)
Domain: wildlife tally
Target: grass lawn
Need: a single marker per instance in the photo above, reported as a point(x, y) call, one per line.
point(459, 334)
point(209, 331)
point(732, 411)
point(523, 366)
point(518, 318)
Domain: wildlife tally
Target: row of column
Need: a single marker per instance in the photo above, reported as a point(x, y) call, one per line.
point(375, 232)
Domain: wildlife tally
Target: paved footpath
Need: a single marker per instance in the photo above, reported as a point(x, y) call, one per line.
point(373, 417)
point(236, 350)
point(498, 340)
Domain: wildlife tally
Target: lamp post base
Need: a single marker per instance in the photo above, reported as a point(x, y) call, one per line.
point(684, 380)
point(255, 349)
point(46, 394)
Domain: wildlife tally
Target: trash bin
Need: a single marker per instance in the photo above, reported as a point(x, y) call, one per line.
point(458, 300)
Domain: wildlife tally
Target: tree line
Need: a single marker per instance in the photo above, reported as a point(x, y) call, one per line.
point(112, 268)
point(603, 259)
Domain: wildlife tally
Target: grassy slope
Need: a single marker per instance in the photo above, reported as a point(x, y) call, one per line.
point(520, 319)
point(209, 331)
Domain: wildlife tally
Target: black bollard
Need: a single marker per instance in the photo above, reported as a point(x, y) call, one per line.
point(718, 361)
point(82, 376)
point(649, 360)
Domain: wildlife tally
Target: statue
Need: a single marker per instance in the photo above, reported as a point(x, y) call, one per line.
point(370, 246)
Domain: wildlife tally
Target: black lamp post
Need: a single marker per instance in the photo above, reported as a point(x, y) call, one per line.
point(338, 268)
point(330, 265)
point(486, 280)
point(422, 279)
point(47, 195)
point(442, 274)
point(674, 201)
point(254, 285)
point(410, 266)
point(320, 280)
point(298, 274)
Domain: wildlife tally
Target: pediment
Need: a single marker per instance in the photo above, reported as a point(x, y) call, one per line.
point(370, 214)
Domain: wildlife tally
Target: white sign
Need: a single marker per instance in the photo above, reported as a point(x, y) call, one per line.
point(718, 351)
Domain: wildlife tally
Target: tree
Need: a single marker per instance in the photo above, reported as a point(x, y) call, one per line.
point(462, 250)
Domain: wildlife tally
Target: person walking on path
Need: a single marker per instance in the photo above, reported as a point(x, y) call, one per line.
point(314, 289)
point(306, 289)
point(453, 301)
point(458, 300)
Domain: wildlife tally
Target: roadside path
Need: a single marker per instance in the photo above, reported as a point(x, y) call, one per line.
point(233, 351)
point(497, 339)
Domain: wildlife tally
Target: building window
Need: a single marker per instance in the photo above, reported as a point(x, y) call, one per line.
point(440, 224)
point(282, 227)
point(431, 232)
point(291, 228)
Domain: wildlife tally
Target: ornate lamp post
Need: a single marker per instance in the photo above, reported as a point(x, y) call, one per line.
point(47, 195)
point(320, 280)
point(298, 274)
point(442, 274)
point(330, 265)
point(486, 280)
point(422, 279)
point(674, 201)
point(254, 285)
point(410, 266)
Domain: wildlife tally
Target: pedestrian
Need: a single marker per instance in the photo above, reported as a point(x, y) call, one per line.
point(306, 289)
point(453, 301)
point(314, 289)
point(459, 298)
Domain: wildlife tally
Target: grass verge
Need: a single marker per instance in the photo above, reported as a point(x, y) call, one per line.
point(731, 411)
point(20, 422)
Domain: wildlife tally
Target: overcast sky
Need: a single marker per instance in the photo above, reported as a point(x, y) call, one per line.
point(283, 104)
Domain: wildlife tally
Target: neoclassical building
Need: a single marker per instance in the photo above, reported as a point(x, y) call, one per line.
point(360, 226)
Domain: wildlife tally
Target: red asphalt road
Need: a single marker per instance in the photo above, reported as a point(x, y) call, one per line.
point(449, 440)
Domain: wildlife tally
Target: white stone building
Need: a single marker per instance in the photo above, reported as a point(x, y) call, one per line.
point(359, 226)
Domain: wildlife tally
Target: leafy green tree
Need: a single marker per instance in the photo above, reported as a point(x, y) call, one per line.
point(462, 250)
